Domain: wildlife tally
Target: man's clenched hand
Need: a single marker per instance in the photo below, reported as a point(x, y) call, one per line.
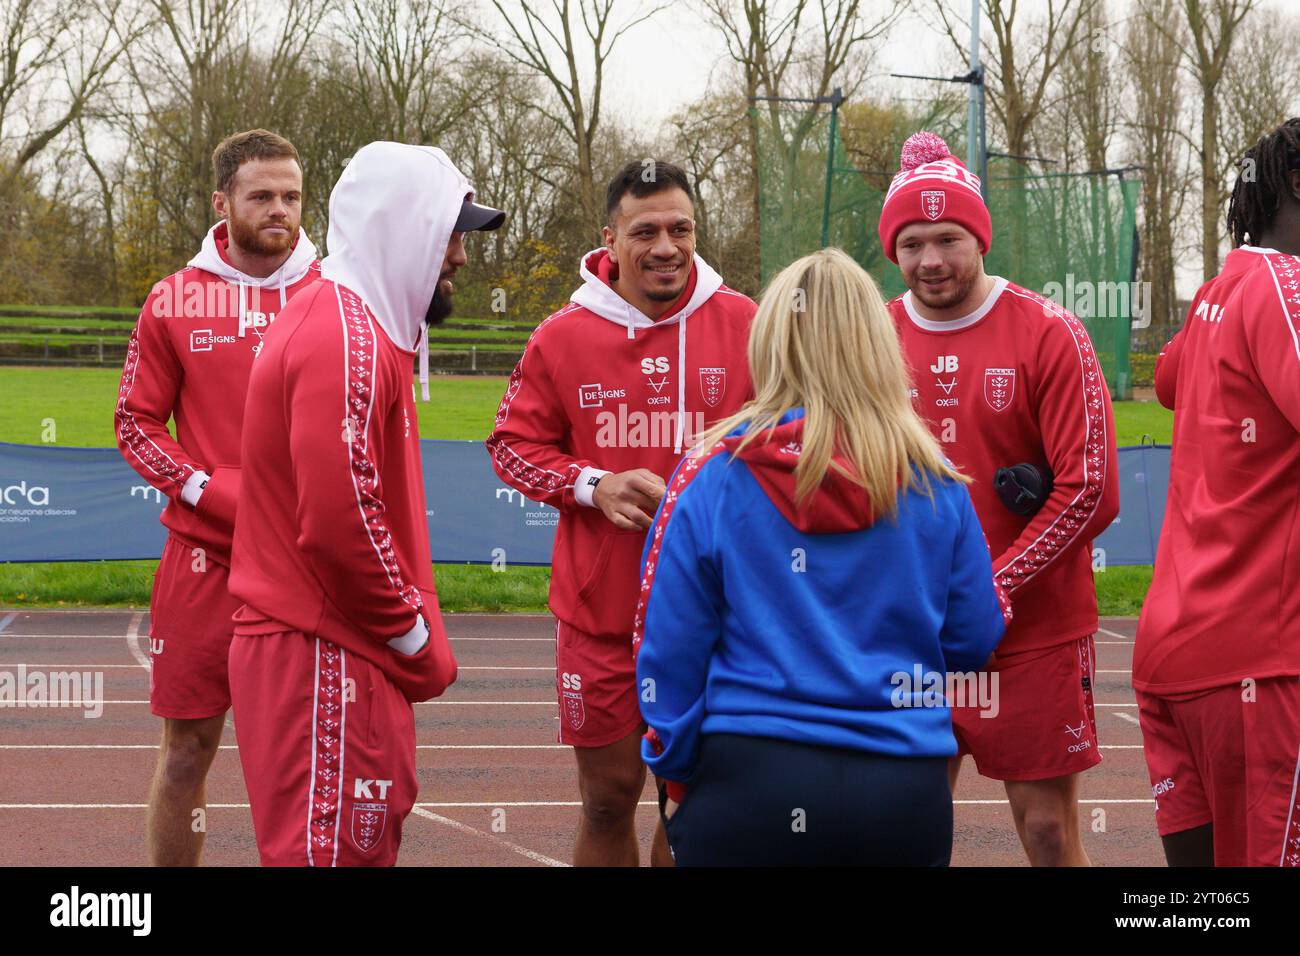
point(629, 498)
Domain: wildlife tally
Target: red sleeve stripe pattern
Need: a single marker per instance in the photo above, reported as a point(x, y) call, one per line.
point(358, 396)
point(1058, 535)
point(521, 470)
point(690, 467)
point(129, 431)
point(1286, 279)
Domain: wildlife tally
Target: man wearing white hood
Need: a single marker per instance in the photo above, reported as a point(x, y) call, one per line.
point(340, 631)
point(189, 359)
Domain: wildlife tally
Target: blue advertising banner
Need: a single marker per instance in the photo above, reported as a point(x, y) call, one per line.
point(86, 504)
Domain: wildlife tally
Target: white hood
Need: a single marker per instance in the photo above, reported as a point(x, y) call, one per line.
point(391, 218)
point(291, 271)
point(596, 296)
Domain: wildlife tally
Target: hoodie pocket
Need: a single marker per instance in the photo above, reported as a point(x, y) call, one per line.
point(598, 567)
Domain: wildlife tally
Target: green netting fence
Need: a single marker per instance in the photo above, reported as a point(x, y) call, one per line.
point(1069, 236)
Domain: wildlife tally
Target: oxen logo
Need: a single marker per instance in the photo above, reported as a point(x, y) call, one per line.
point(999, 387)
point(368, 821)
point(573, 709)
point(713, 385)
point(933, 202)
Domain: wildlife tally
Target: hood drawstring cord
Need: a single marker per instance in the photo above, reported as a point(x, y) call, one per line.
point(242, 327)
point(424, 365)
point(627, 311)
point(681, 385)
point(283, 300)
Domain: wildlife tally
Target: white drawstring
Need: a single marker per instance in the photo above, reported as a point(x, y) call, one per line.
point(627, 310)
point(424, 364)
point(282, 298)
point(242, 328)
point(681, 384)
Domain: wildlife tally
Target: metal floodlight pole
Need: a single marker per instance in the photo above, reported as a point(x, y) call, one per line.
point(977, 154)
point(835, 100)
point(837, 97)
point(973, 141)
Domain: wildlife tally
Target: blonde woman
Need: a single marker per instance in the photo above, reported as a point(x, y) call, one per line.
point(815, 572)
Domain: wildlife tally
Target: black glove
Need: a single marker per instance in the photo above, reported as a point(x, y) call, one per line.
point(1023, 488)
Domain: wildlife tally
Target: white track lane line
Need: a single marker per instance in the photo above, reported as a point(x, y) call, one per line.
point(133, 640)
point(1123, 637)
point(7, 620)
point(466, 828)
point(1130, 718)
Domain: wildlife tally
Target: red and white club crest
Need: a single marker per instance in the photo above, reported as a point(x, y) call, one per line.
point(713, 385)
point(368, 820)
point(573, 710)
point(999, 387)
point(933, 202)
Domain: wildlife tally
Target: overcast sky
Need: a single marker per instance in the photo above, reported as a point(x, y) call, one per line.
point(669, 61)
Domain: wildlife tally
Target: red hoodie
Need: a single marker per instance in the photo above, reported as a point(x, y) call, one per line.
point(189, 357)
point(1224, 602)
point(1017, 381)
point(333, 537)
point(602, 388)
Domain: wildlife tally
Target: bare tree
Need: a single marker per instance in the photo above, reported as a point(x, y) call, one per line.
point(552, 40)
point(1023, 59)
point(1212, 26)
point(798, 48)
point(61, 53)
point(199, 74)
point(401, 53)
point(1150, 58)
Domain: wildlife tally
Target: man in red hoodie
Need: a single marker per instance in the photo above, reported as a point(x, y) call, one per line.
point(1009, 380)
point(608, 395)
point(1218, 644)
point(189, 357)
point(340, 631)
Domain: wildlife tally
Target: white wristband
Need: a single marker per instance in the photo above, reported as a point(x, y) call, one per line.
point(193, 487)
point(413, 641)
point(585, 487)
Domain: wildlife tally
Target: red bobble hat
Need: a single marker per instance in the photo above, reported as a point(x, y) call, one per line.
point(933, 186)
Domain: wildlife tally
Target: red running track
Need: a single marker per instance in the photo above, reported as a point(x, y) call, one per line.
point(495, 788)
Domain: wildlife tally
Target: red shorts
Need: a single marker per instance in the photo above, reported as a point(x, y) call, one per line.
point(327, 744)
point(189, 634)
point(1041, 723)
point(1229, 756)
point(595, 682)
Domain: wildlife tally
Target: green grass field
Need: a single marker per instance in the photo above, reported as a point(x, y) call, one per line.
point(77, 403)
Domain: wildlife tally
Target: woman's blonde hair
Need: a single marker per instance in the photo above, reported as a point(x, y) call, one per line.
point(824, 341)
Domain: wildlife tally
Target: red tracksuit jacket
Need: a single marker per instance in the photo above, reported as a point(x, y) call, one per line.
point(1224, 602)
point(1017, 381)
point(601, 388)
point(333, 538)
point(189, 357)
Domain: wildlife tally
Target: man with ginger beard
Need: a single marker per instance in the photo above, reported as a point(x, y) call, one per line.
point(189, 357)
point(1009, 382)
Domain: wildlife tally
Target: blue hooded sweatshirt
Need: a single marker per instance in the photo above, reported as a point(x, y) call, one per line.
point(809, 624)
